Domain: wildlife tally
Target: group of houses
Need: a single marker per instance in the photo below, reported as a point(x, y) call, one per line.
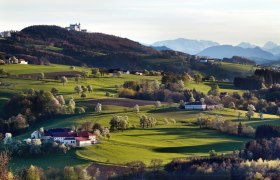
point(66, 136)
point(125, 71)
point(13, 60)
point(204, 59)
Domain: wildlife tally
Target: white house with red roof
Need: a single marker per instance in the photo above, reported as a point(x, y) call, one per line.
point(79, 139)
point(67, 136)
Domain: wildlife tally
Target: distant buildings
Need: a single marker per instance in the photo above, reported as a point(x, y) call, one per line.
point(14, 60)
point(75, 27)
point(195, 106)
point(5, 34)
point(22, 61)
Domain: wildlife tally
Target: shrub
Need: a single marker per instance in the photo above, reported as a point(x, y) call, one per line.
point(128, 93)
point(107, 94)
point(79, 110)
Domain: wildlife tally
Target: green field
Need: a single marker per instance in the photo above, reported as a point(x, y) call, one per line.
point(162, 141)
point(101, 85)
point(16, 69)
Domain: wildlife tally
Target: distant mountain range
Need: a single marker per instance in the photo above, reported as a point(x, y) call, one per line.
point(246, 45)
point(188, 46)
point(269, 52)
point(227, 51)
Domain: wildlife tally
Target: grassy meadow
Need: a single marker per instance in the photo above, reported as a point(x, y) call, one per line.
point(164, 141)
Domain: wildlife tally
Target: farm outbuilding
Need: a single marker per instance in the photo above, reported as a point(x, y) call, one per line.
point(195, 106)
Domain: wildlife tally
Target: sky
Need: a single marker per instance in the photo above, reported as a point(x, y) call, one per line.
point(148, 21)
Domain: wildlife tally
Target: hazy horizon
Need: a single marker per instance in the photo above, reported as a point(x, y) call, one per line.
point(222, 21)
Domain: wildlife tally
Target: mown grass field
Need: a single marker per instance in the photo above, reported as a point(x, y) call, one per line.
point(162, 141)
point(165, 141)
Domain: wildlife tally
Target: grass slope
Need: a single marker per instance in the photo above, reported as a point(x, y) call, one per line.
point(163, 141)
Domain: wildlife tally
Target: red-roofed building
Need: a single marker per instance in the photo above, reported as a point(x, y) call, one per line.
point(81, 142)
point(79, 139)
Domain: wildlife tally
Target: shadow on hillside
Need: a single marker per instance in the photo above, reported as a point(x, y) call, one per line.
point(223, 85)
point(183, 133)
point(109, 90)
point(257, 122)
point(221, 146)
point(167, 110)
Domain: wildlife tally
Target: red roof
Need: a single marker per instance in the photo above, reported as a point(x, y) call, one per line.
point(84, 134)
point(82, 139)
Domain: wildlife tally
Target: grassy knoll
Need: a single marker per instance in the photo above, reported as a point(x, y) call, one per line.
point(163, 141)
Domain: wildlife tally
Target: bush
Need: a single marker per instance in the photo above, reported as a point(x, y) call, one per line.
point(79, 110)
point(226, 126)
point(128, 93)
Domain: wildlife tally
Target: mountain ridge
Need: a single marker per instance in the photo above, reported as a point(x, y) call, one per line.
point(189, 46)
point(228, 51)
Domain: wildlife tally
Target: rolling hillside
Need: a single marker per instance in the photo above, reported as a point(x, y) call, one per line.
point(53, 44)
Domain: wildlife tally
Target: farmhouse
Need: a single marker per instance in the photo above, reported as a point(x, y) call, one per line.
point(195, 106)
point(66, 136)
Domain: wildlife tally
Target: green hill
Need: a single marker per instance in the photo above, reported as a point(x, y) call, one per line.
point(52, 44)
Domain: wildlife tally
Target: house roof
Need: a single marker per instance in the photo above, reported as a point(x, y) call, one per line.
point(65, 134)
point(82, 139)
point(84, 134)
point(195, 103)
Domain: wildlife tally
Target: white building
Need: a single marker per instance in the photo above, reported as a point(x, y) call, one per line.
point(203, 60)
point(22, 61)
point(70, 141)
point(82, 142)
point(74, 27)
point(195, 106)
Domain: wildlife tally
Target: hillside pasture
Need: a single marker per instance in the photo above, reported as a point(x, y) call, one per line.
point(164, 141)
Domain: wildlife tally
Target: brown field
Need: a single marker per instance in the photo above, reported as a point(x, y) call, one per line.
point(51, 75)
point(120, 102)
